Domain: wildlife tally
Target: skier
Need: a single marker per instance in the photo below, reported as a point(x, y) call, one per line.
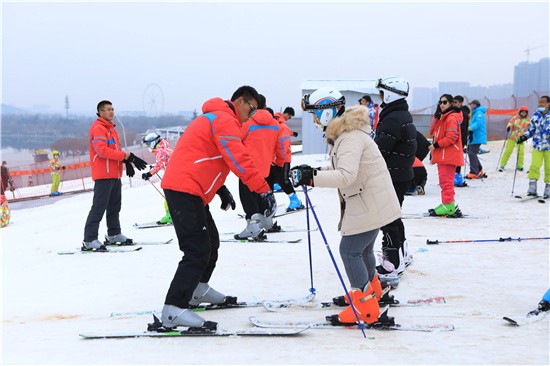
point(539, 130)
point(280, 174)
point(515, 128)
point(477, 131)
point(55, 166)
point(260, 136)
point(210, 147)
point(162, 151)
point(106, 159)
point(367, 198)
point(446, 153)
point(395, 136)
point(457, 102)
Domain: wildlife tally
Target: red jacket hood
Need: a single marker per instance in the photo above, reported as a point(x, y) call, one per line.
point(218, 104)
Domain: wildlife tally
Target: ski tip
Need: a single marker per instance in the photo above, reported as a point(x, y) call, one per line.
point(510, 321)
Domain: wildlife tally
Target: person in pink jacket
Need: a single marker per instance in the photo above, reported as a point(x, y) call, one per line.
point(162, 151)
point(446, 152)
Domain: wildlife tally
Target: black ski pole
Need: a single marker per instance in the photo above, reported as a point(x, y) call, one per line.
point(359, 322)
point(432, 242)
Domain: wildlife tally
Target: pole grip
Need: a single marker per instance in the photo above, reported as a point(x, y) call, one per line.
point(432, 242)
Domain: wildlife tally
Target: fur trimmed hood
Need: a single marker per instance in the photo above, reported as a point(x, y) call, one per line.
point(354, 118)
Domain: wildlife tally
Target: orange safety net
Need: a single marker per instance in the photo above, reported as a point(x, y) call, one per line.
point(18, 173)
point(502, 112)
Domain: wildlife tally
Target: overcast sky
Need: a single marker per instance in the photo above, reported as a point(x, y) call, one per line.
point(198, 50)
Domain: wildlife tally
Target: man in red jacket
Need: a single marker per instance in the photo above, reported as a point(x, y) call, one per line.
point(209, 149)
point(106, 159)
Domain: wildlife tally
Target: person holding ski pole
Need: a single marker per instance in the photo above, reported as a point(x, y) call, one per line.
point(514, 129)
point(367, 198)
point(161, 149)
point(209, 149)
point(539, 130)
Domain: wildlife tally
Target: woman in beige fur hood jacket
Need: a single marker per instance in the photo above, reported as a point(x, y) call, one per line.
point(367, 202)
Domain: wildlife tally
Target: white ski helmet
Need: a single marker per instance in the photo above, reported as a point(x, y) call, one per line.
point(151, 140)
point(392, 88)
point(325, 104)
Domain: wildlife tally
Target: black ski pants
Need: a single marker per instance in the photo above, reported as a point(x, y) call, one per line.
point(199, 241)
point(251, 201)
point(394, 232)
point(107, 198)
point(276, 175)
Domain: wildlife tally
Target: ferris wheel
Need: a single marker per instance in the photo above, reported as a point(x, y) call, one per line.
point(153, 100)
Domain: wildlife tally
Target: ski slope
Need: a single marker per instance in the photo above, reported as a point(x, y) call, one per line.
point(48, 299)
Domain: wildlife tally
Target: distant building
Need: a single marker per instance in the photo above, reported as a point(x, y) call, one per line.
point(353, 90)
point(531, 76)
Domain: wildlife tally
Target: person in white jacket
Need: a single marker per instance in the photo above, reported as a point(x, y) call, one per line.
point(367, 198)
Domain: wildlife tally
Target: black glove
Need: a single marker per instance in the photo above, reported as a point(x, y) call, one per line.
point(302, 174)
point(129, 169)
point(270, 204)
point(521, 139)
point(226, 197)
point(295, 134)
point(507, 129)
point(138, 163)
point(146, 176)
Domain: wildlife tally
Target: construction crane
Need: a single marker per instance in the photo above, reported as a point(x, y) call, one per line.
point(529, 49)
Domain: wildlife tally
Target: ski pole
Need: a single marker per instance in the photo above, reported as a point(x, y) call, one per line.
point(485, 240)
point(157, 189)
point(361, 325)
point(312, 289)
point(502, 150)
point(515, 172)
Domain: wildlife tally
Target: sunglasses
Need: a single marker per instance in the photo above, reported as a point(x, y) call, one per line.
point(252, 108)
point(443, 102)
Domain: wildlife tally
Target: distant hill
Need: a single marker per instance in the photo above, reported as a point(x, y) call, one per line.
point(10, 109)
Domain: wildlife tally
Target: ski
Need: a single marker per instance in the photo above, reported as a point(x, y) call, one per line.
point(427, 215)
point(283, 213)
point(526, 318)
point(289, 230)
point(196, 332)
point(275, 307)
point(233, 240)
point(138, 243)
point(149, 225)
point(528, 198)
point(243, 304)
point(111, 250)
point(328, 325)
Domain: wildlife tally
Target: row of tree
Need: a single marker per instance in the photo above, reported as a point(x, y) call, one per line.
point(70, 135)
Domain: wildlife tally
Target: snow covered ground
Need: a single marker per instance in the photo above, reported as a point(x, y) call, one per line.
point(49, 299)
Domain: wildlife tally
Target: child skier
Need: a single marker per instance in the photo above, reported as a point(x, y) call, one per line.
point(55, 166)
point(516, 127)
point(539, 130)
point(161, 149)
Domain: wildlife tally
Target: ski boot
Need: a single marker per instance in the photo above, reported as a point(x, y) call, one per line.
point(532, 190)
point(94, 245)
point(459, 181)
point(386, 267)
point(520, 168)
point(544, 305)
point(420, 191)
point(167, 219)
point(501, 168)
point(118, 239)
point(447, 210)
point(204, 294)
point(294, 204)
point(546, 191)
point(253, 229)
point(173, 316)
point(266, 223)
point(365, 304)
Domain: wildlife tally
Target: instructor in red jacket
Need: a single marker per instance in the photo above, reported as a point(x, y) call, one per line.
point(106, 159)
point(210, 147)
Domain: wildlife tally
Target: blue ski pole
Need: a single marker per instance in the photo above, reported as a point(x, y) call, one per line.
point(359, 322)
point(312, 289)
